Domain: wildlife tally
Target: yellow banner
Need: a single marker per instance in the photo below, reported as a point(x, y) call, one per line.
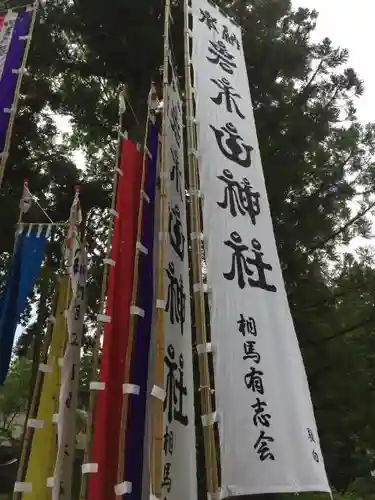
point(43, 450)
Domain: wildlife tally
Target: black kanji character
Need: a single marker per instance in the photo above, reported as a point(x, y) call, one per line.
point(175, 230)
point(239, 197)
point(262, 448)
point(221, 56)
point(175, 174)
point(175, 389)
point(230, 37)
point(209, 20)
point(253, 380)
point(227, 94)
point(250, 352)
point(68, 401)
point(176, 298)
point(261, 267)
point(315, 456)
point(259, 416)
point(168, 442)
point(175, 123)
point(167, 480)
point(247, 326)
point(310, 435)
point(231, 147)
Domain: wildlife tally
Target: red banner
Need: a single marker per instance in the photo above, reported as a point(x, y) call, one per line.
point(107, 418)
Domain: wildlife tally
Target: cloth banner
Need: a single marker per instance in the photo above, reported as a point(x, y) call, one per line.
point(13, 34)
point(43, 449)
point(268, 436)
point(107, 417)
point(136, 423)
point(179, 454)
point(24, 270)
point(66, 423)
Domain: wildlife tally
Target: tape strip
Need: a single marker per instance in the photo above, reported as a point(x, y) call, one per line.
point(97, 386)
point(18, 71)
point(119, 171)
point(109, 262)
point(50, 483)
point(123, 488)
point(197, 287)
point(158, 393)
point(60, 362)
point(23, 37)
point(208, 420)
point(142, 248)
point(4, 155)
point(23, 487)
point(204, 348)
point(163, 236)
point(45, 368)
point(137, 311)
point(147, 151)
point(102, 318)
point(34, 423)
point(131, 389)
point(146, 197)
point(160, 304)
point(55, 418)
point(89, 468)
point(9, 110)
point(52, 319)
point(114, 212)
point(197, 236)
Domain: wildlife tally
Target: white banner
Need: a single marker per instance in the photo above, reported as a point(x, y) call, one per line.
point(6, 34)
point(62, 486)
point(179, 466)
point(269, 440)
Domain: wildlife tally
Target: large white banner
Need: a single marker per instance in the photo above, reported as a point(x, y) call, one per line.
point(6, 33)
point(269, 440)
point(66, 424)
point(179, 465)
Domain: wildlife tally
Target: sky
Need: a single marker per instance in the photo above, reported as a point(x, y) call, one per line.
point(350, 25)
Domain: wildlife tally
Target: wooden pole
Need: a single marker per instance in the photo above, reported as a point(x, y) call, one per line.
point(103, 293)
point(196, 259)
point(157, 405)
point(5, 153)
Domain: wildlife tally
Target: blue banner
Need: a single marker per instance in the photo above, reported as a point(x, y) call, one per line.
point(24, 270)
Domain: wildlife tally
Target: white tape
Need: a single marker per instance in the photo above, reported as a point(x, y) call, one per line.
point(147, 151)
point(154, 497)
point(119, 171)
point(18, 71)
point(158, 393)
point(197, 287)
point(163, 236)
point(204, 348)
point(89, 468)
point(197, 236)
point(40, 229)
point(137, 311)
point(23, 487)
point(102, 318)
point(97, 386)
point(208, 420)
point(50, 483)
point(49, 229)
point(145, 196)
point(55, 418)
point(123, 488)
point(141, 248)
point(34, 423)
point(9, 110)
point(114, 213)
point(160, 304)
point(52, 319)
point(109, 262)
point(60, 362)
point(4, 155)
point(23, 37)
point(131, 389)
point(45, 368)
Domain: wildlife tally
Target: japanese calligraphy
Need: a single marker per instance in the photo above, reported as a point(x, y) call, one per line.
point(254, 380)
point(221, 56)
point(167, 481)
point(176, 298)
point(227, 95)
point(250, 351)
point(175, 230)
point(239, 197)
point(168, 440)
point(176, 391)
point(232, 146)
point(209, 20)
point(175, 123)
point(242, 265)
point(262, 448)
point(260, 417)
point(230, 37)
point(247, 326)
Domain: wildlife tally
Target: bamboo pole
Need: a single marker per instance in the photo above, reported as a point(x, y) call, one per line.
point(14, 107)
point(157, 405)
point(103, 293)
point(196, 258)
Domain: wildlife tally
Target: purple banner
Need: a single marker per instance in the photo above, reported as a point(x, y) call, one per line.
point(139, 364)
point(13, 61)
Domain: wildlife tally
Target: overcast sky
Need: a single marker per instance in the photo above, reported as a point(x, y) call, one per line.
point(350, 25)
